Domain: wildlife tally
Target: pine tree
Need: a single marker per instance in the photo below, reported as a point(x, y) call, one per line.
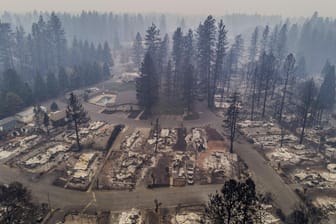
point(188, 85)
point(163, 56)
point(106, 71)
point(253, 50)
point(54, 107)
point(63, 81)
point(152, 41)
point(219, 62)
point(21, 51)
point(147, 85)
point(6, 43)
point(205, 45)
point(188, 48)
point(41, 49)
point(237, 202)
point(75, 113)
point(52, 85)
point(177, 54)
point(236, 53)
point(11, 82)
point(138, 50)
point(13, 103)
point(281, 43)
point(40, 89)
point(326, 97)
point(107, 56)
point(57, 41)
point(169, 80)
point(264, 40)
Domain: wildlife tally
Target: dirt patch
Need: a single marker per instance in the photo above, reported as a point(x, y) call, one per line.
point(181, 144)
point(213, 135)
point(159, 175)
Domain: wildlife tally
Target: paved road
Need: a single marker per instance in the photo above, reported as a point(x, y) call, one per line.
point(266, 178)
point(110, 200)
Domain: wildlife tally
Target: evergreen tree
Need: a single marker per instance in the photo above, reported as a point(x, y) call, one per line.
point(273, 41)
point(6, 43)
point(146, 85)
point(27, 94)
point(188, 48)
point(253, 50)
point(236, 53)
point(219, 62)
point(107, 56)
point(300, 70)
point(57, 41)
point(152, 41)
point(21, 51)
point(106, 71)
point(75, 113)
point(41, 54)
point(169, 80)
point(13, 103)
point(63, 81)
point(17, 205)
point(52, 85)
point(264, 40)
point(281, 43)
point(237, 202)
point(177, 54)
point(233, 59)
point(189, 83)
point(138, 50)
point(54, 107)
point(327, 94)
point(163, 56)
point(40, 89)
point(205, 45)
point(12, 82)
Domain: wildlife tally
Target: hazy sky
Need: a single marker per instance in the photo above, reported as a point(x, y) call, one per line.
point(218, 7)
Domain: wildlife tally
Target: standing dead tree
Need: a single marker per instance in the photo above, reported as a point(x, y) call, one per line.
point(232, 117)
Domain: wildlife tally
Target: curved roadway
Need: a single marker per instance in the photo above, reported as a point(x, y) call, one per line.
point(266, 178)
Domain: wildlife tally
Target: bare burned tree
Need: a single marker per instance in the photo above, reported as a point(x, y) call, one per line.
point(288, 70)
point(232, 116)
point(308, 95)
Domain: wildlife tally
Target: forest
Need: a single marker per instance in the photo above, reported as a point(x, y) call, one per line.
point(45, 54)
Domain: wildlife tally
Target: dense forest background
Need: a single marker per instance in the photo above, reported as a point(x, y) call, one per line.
point(45, 54)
